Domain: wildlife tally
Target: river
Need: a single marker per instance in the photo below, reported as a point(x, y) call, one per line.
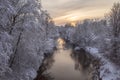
point(64, 64)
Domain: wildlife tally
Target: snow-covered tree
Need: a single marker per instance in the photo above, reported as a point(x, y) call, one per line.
point(25, 35)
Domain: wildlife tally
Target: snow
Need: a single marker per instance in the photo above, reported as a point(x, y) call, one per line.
point(77, 48)
point(24, 41)
point(31, 73)
point(92, 50)
point(26, 35)
point(108, 71)
point(5, 52)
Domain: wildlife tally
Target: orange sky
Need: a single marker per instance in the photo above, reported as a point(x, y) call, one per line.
point(63, 11)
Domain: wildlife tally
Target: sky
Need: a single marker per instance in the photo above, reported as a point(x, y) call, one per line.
point(68, 11)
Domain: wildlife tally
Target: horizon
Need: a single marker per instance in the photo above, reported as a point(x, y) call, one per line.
point(67, 11)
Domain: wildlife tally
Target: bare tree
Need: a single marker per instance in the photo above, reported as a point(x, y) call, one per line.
point(115, 23)
point(115, 19)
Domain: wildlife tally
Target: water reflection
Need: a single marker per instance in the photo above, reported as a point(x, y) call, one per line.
point(67, 65)
point(61, 43)
point(81, 57)
point(63, 67)
point(83, 63)
point(47, 64)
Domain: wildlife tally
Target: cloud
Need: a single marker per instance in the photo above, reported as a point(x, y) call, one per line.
point(59, 9)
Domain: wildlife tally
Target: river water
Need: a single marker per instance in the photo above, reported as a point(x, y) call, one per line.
point(65, 64)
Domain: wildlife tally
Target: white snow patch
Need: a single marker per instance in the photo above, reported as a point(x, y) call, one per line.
point(108, 71)
point(31, 73)
point(77, 48)
point(92, 50)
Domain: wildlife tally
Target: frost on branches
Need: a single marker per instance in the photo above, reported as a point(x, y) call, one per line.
point(24, 38)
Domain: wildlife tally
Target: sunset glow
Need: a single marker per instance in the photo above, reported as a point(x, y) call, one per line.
point(64, 11)
point(72, 18)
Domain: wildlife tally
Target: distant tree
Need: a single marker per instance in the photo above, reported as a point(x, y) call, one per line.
point(115, 19)
point(68, 25)
point(115, 23)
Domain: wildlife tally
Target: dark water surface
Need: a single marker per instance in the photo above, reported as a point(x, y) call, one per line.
point(65, 64)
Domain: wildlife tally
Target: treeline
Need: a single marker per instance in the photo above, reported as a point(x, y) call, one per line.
point(103, 34)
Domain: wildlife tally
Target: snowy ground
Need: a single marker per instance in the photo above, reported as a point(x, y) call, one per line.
point(108, 71)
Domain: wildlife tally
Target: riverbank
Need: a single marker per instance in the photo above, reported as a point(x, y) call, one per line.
point(67, 58)
point(108, 70)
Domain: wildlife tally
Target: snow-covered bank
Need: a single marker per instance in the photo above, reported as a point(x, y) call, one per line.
point(108, 71)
